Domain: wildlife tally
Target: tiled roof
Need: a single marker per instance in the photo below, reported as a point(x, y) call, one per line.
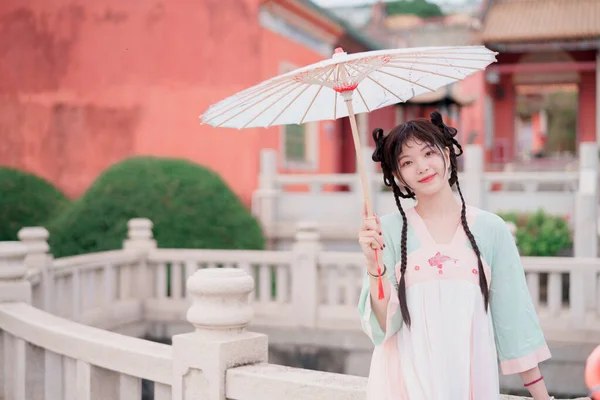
point(533, 20)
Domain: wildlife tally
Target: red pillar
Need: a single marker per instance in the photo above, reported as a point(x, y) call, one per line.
point(503, 95)
point(586, 114)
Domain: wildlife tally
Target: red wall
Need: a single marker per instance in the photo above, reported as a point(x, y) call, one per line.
point(86, 84)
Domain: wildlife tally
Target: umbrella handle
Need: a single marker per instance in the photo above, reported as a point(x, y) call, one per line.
point(365, 182)
point(360, 164)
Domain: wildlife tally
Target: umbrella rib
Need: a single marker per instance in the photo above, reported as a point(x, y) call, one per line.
point(237, 102)
point(384, 88)
point(270, 105)
point(377, 83)
point(288, 105)
point(438, 52)
point(253, 104)
point(357, 68)
point(418, 61)
point(316, 94)
point(363, 99)
point(257, 91)
point(422, 70)
point(407, 80)
point(420, 56)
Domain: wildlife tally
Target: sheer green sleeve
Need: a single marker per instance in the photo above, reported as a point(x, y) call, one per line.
point(369, 322)
point(519, 339)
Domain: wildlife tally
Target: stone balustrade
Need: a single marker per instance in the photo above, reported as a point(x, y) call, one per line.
point(335, 200)
point(48, 355)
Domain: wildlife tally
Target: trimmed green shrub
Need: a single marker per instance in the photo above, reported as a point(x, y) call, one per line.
point(421, 8)
point(26, 200)
point(190, 206)
point(540, 234)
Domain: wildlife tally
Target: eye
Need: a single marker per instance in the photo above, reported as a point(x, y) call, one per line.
point(405, 163)
point(430, 153)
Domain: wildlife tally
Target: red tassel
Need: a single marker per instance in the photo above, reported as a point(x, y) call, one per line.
point(380, 294)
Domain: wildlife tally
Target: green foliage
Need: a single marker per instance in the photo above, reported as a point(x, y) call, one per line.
point(561, 108)
point(190, 206)
point(540, 234)
point(26, 200)
point(421, 8)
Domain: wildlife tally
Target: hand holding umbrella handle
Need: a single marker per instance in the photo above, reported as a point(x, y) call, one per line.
point(365, 182)
point(371, 241)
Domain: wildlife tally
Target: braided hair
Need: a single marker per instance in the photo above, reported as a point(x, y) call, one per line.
point(387, 151)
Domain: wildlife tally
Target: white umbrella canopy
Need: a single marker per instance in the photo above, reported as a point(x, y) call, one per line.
point(348, 84)
point(378, 78)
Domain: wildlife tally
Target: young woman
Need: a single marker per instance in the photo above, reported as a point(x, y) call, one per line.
point(454, 299)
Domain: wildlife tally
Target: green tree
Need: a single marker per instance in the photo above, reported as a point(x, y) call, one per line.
point(421, 8)
point(26, 200)
point(540, 234)
point(190, 206)
point(562, 121)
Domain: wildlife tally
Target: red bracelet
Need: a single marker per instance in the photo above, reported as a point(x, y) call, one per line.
point(533, 382)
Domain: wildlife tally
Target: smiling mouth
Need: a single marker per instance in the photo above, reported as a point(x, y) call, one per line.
point(427, 178)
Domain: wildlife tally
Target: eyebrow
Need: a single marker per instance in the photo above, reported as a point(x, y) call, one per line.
point(427, 146)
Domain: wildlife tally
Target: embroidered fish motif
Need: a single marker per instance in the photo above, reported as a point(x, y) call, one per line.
point(439, 260)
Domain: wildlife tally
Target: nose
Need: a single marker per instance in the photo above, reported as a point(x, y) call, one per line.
point(422, 165)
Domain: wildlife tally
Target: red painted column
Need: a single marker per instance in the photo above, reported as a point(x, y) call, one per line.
point(503, 95)
point(586, 116)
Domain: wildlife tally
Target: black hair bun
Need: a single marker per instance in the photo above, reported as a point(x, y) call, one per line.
point(379, 139)
point(436, 119)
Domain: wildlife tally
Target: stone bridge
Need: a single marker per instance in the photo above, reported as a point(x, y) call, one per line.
point(72, 328)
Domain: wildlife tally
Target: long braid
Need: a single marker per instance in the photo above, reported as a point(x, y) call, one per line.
point(452, 142)
point(389, 180)
point(482, 278)
point(404, 256)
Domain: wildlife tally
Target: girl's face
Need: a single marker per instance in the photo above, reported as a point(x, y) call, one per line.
point(423, 167)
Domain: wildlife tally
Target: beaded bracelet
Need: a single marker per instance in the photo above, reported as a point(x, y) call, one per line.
point(378, 276)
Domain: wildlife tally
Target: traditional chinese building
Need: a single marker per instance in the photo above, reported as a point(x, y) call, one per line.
point(541, 44)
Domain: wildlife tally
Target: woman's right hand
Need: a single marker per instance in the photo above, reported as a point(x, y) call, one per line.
point(370, 239)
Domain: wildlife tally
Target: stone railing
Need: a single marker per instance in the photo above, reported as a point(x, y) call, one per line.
point(303, 287)
point(335, 200)
point(48, 357)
